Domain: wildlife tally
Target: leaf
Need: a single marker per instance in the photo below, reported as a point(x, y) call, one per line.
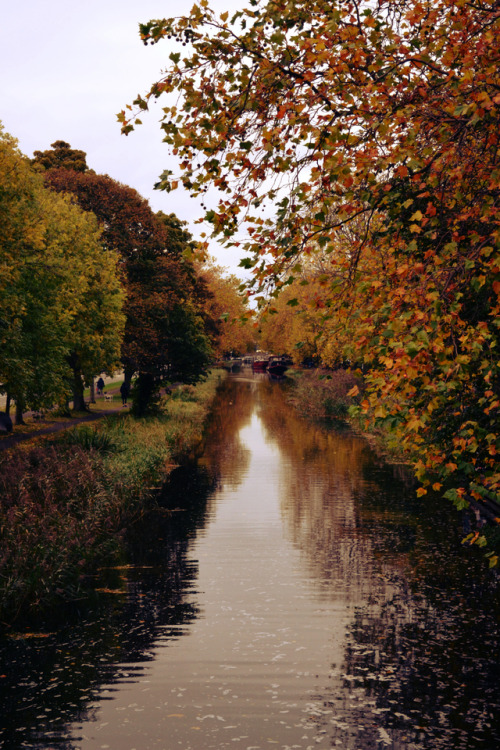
point(247, 263)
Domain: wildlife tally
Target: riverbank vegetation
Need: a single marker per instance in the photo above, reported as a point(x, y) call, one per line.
point(65, 504)
point(320, 394)
point(358, 143)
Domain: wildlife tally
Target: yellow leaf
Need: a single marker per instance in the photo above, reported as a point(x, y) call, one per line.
point(421, 491)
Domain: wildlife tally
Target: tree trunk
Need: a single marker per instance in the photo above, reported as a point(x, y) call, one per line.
point(19, 411)
point(7, 404)
point(143, 395)
point(77, 384)
point(78, 400)
point(128, 373)
point(78, 388)
point(92, 391)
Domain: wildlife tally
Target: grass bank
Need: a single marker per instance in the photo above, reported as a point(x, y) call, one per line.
point(64, 504)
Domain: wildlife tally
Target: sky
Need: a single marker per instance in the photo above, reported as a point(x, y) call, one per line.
point(67, 67)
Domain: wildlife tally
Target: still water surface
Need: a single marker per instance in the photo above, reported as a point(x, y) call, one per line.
point(291, 592)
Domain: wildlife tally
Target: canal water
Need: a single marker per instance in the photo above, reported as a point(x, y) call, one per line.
point(289, 592)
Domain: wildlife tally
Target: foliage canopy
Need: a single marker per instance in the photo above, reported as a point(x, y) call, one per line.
point(60, 302)
point(161, 305)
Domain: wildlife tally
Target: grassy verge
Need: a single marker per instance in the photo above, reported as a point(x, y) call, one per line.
point(64, 505)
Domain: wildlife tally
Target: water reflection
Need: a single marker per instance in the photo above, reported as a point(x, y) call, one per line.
point(421, 658)
point(289, 591)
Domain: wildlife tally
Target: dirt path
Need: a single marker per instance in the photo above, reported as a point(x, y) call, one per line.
point(18, 437)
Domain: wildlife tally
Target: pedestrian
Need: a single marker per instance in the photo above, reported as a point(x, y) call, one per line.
point(124, 390)
point(100, 387)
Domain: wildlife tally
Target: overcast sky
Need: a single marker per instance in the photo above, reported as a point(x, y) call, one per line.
point(67, 67)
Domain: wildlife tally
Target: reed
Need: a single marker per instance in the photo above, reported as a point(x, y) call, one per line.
point(324, 394)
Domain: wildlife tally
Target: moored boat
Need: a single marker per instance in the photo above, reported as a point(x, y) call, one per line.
point(277, 368)
point(278, 365)
point(260, 365)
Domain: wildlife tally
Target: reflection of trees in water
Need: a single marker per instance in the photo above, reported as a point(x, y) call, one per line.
point(51, 682)
point(224, 452)
point(419, 672)
point(421, 663)
point(324, 473)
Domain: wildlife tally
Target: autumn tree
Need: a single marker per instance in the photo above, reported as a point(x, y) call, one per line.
point(61, 155)
point(60, 304)
point(226, 305)
point(330, 111)
point(162, 292)
point(292, 323)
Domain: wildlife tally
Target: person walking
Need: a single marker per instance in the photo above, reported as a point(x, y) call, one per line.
point(100, 387)
point(124, 390)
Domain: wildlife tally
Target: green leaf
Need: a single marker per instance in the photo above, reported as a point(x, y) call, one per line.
point(246, 263)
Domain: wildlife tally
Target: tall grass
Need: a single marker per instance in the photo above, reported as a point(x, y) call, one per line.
point(64, 506)
point(323, 394)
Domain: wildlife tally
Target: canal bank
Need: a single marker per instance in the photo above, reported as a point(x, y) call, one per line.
point(67, 500)
point(288, 591)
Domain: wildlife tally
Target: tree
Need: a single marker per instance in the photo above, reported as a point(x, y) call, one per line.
point(385, 110)
point(158, 279)
point(60, 302)
point(61, 155)
point(21, 244)
point(92, 297)
point(165, 338)
point(293, 324)
point(227, 306)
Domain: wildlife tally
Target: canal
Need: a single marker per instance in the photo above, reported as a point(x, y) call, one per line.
point(289, 592)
